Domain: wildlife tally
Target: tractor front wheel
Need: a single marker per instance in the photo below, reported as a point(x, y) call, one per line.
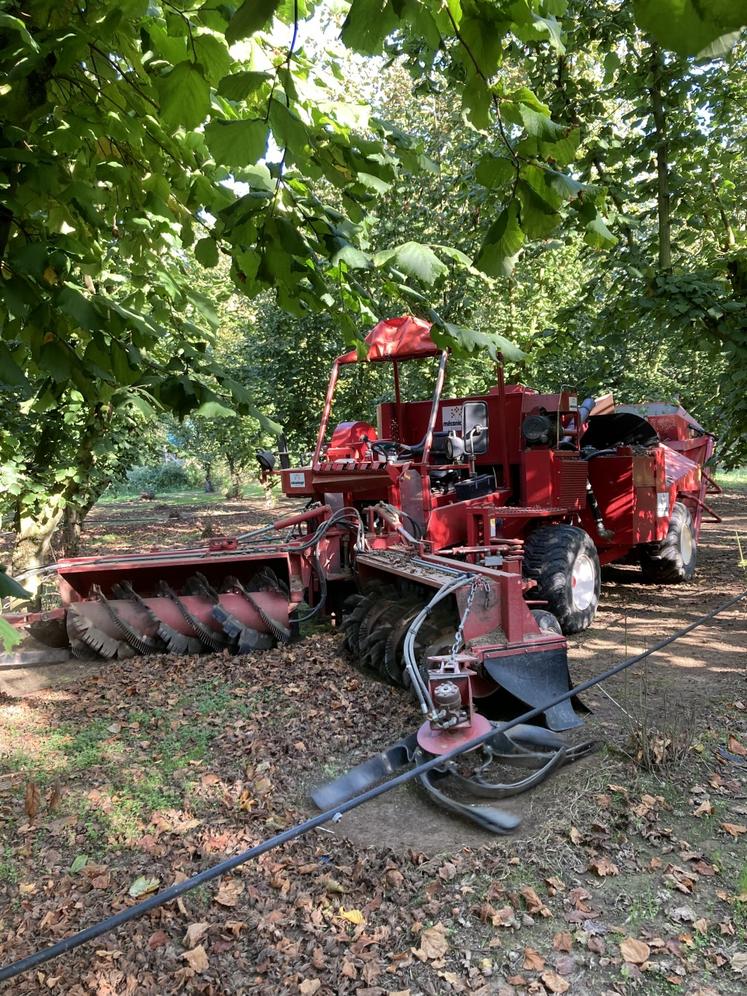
point(672, 559)
point(563, 561)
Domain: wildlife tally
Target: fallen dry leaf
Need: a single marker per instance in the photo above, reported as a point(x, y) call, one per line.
point(603, 867)
point(309, 986)
point(197, 958)
point(31, 800)
point(704, 809)
point(683, 914)
point(739, 962)
point(504, 917)
point(433, 944)
point(229, 892)
point(734, 829)
point(352, 916)
point(158, 939)
point(533, 901)
point(554, 982)
point(195, 933)
point(562, 941)
point(634, 951)
point(53, 799)
point(533, 960)
point(735, 747)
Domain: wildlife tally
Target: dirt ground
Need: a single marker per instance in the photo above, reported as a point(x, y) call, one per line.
point(628, 873)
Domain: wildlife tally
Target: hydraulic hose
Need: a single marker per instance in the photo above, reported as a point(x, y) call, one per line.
point(411, 664)
point(292, 833)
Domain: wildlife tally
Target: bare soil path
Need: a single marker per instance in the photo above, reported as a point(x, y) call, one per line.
point(626, 876)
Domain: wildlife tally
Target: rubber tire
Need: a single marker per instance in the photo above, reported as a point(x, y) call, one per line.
point(664, 562)
point(547, 621)
point(550, 554)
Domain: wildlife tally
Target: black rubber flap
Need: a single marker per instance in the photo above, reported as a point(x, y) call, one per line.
point(536, 678)
point(365, 776)
point(619, 429)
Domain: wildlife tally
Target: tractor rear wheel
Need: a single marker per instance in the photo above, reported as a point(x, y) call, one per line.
point(564, 562)
point(672, 560)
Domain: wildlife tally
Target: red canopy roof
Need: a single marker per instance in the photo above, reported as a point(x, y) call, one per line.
point(397, 339)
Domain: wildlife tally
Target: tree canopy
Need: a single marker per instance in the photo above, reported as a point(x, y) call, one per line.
point(149, 144)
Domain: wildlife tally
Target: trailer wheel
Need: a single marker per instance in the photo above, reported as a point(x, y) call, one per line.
point(672, 560)
point(547, 621)
point(563, 561)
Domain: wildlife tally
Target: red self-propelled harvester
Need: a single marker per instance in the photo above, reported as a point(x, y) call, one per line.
point(488, 515)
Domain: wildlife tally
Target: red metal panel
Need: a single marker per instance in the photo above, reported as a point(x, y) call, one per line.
point(571, 474)
point(612, 480)
point(397, 338)
point(647, 527)
point(537, 477)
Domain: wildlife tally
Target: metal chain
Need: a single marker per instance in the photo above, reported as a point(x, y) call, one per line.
point(477, 582)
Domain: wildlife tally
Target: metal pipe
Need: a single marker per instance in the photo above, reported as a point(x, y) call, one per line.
point(325, 414)
point(440, 377)
point(398, 402)
point(504, 434)
point(174, 891)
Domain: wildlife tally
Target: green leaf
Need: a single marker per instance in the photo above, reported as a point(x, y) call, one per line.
point(79, 308)
point(213, 55)
point(523, 95)
point(79, 862)
point(504, 239)
point(688, 26)
point(538, 216)
point(237, 143)
point(374, 182)
point(598, 235)
point(288, 128)
point(57, 360)
point(415, 260)
point(549, 26)
point(494, 171)
point(238, 86)
point(184, 96)
point(11, 23)
point(367, 25)
point(565, 185)
point(250, 17)
point(10, 588)
point(539, 125)
point(10, 373)
point(353, 258)
point(477, 103)
point(138, 402)
point(214, 409)
point(464, 341)
point(9, 637)
point(142, 885)
point(206, 252)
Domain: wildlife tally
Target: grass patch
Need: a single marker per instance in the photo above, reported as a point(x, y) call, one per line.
point(732, 480)
point(181, 497)
point(115, 775)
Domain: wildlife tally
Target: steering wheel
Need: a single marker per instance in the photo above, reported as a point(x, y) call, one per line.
point(388, 446)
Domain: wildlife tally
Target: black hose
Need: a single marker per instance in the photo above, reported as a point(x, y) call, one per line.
point(174, 891)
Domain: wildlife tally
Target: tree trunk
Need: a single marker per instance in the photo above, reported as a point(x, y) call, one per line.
point(234, 472)
point(209, 486)
point(729, 240)
point(33, 547)
point(73, 520)
point(663, 203)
